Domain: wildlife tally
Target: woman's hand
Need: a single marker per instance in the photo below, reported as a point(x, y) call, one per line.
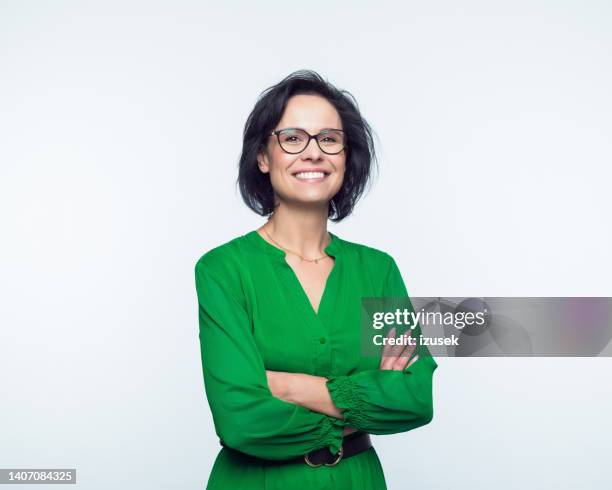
point(395, 357)
point(348, 430)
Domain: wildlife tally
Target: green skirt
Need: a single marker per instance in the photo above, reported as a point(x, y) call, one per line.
point(231, 471)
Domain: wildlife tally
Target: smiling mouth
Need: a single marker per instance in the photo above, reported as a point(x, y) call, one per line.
point(311, 176)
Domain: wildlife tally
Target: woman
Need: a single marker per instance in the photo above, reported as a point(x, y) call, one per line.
point(292, 398)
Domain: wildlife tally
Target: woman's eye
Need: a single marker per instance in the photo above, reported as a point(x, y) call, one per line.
point(293, 138)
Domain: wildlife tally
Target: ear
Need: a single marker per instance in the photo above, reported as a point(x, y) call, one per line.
point(263, 161)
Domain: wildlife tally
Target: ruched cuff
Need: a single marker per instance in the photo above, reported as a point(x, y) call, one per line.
point(345, 395)
point(331, 434)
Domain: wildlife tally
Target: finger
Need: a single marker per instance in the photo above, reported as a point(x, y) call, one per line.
point(397, 349)
point(408, 351)
point(401, 362)
point(391, 352)
point(386, 348)
point(407, 348)
point(394, 351)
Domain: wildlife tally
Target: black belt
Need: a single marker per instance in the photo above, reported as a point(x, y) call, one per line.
point(352, 444)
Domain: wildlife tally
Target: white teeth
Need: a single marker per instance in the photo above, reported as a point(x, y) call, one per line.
point(310, 175)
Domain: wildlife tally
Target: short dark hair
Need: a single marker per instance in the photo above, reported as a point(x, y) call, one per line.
point(255, 186)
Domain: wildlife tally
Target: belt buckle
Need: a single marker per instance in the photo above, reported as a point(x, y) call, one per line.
point(334, 463)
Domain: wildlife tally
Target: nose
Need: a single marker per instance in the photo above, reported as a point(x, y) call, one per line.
point(312, 150)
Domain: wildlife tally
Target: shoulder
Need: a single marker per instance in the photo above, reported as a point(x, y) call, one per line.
point(367, 254)
point(222, 267)
point(221, 259)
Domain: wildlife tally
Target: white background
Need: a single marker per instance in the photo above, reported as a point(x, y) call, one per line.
point(120, 131)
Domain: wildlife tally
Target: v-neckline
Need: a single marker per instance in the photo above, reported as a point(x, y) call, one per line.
point(331, 249)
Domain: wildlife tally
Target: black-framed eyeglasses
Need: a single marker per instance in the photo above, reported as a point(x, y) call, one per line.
point(295, 140)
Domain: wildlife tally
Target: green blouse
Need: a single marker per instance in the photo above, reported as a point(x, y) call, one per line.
point(254, 315)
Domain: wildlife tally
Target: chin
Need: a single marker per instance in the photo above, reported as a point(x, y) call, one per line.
point(311, 201)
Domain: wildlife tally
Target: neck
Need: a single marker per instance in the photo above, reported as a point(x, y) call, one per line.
point(302, 231)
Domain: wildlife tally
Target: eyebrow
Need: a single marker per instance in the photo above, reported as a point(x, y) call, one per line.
point(324, 129)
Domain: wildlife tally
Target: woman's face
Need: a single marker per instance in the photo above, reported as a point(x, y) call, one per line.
point(311, 113)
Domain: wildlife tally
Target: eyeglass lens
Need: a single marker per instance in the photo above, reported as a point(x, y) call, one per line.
point(296, 140)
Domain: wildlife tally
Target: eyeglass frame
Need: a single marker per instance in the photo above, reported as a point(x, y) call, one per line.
point(310, 136)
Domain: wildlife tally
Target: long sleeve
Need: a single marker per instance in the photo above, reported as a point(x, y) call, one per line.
point(388, 401)
point(246, 415)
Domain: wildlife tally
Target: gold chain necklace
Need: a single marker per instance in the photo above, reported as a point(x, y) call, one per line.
point(316, 261)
